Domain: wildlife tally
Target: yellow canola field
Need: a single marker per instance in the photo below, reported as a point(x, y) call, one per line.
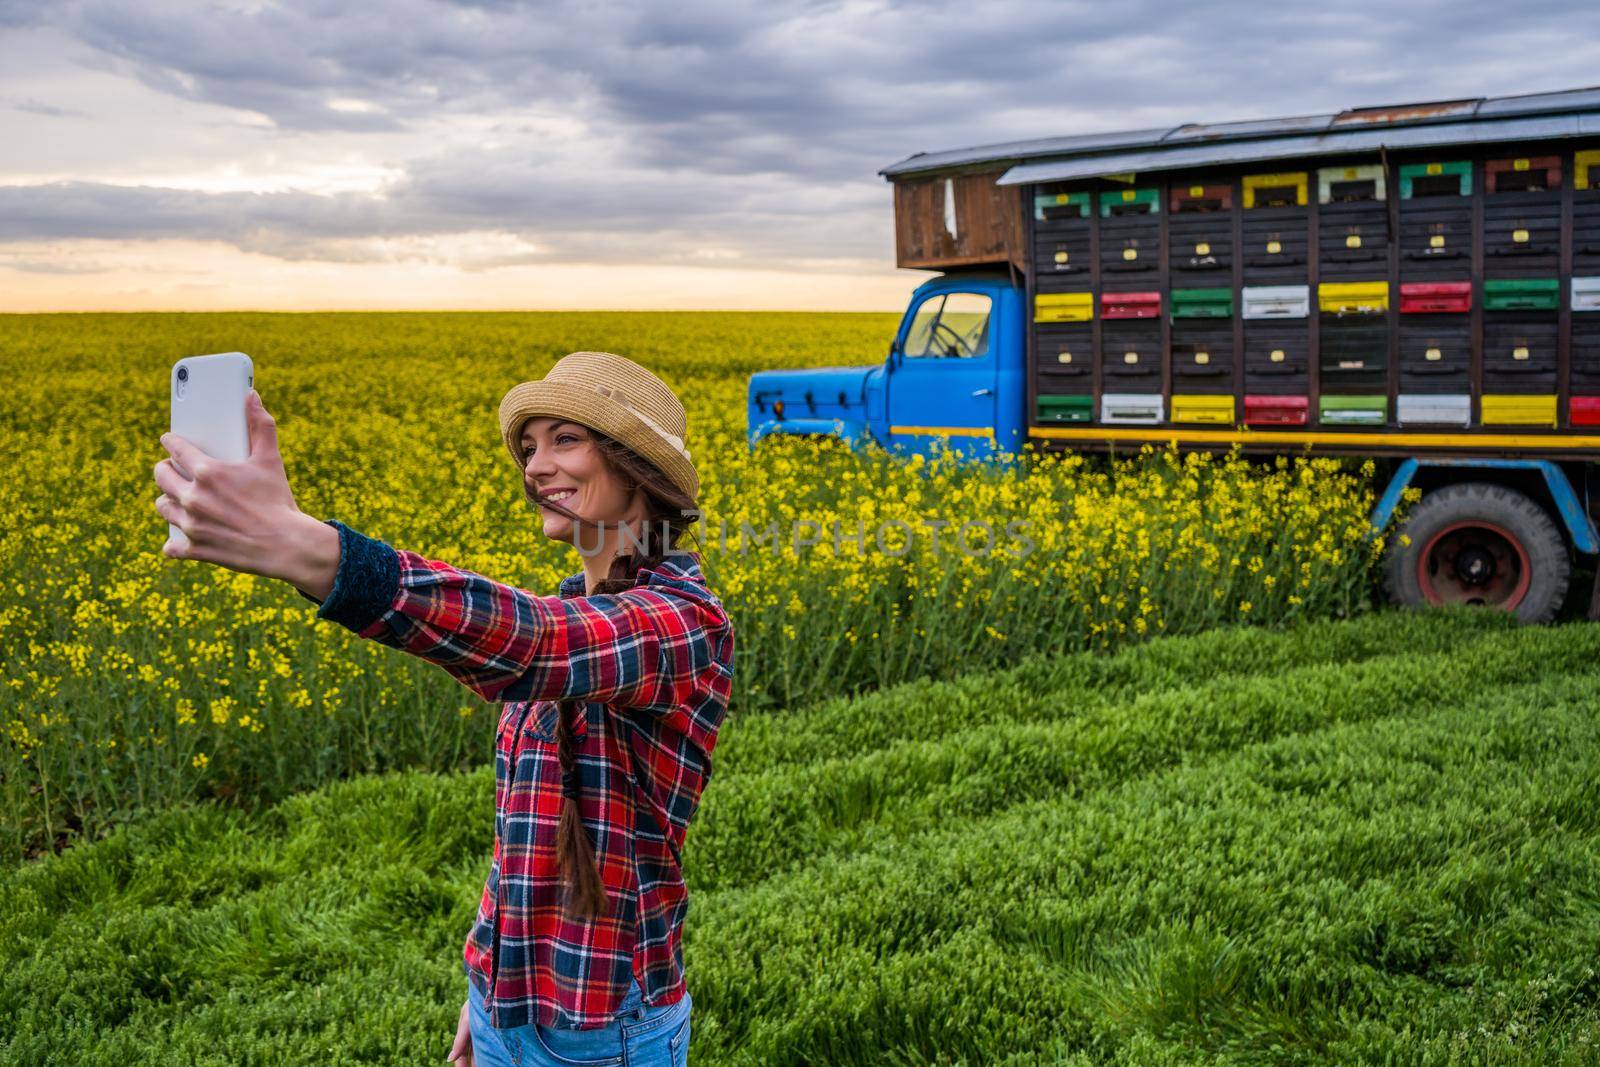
point(132, 681)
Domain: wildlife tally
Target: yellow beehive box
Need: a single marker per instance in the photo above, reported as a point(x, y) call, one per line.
point(1255, 182)
point(1583, 164)
point(1063, 307)
point(1195, 408)
point(1353, 298)
point(1504, 409)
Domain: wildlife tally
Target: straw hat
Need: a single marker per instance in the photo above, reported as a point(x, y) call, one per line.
point(611, 394)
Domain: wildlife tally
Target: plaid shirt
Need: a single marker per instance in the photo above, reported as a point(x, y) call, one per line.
point(645, 675)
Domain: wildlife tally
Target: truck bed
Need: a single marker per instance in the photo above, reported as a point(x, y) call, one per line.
point(1443, 301)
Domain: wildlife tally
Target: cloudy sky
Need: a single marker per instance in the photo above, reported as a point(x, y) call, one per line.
point(493, 153)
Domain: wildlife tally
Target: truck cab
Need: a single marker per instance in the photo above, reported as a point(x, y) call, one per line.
point(955, 378)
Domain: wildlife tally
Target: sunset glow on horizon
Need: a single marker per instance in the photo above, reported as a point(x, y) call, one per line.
point(209, 276)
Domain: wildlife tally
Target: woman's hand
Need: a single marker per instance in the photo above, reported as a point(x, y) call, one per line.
point(242, 515)
point(461, 1051)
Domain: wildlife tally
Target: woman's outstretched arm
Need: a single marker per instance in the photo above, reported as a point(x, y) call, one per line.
point(659, 646)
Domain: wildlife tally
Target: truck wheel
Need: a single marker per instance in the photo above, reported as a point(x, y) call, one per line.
point(1480, 543)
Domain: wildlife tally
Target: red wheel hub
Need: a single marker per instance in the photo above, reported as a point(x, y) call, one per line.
point(1474, 562)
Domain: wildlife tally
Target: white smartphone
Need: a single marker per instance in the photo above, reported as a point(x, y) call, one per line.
point(208, 406)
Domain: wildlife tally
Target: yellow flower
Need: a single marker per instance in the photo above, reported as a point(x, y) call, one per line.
point(200, 759)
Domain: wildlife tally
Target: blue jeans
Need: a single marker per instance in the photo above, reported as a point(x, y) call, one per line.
point(638, 1037)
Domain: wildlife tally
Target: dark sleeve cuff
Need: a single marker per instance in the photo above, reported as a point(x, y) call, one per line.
point(366, 584)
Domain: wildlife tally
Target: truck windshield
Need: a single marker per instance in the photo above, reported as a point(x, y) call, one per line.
point(950, 325)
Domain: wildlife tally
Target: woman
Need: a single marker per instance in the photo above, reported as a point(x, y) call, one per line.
point(613, 692)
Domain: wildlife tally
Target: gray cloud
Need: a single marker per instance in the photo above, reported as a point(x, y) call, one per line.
point(637, 218)
point(19, 13)
point(41, 266)
point(815, 88)
point(39, 107)
point(753, 127)
point(91, 209)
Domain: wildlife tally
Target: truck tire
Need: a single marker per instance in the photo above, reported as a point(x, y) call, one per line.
point(1480, 543)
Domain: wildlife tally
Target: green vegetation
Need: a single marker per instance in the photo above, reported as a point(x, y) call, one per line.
point(1374, 841)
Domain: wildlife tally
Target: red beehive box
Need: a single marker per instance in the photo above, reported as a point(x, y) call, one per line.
point(1275, 410)
point(1424, 297)
point(1130, 305)
point(1584, 410)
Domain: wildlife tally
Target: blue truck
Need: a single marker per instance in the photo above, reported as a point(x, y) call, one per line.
point(1418, 284)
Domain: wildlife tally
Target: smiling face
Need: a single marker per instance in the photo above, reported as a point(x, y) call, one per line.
point(564, 465)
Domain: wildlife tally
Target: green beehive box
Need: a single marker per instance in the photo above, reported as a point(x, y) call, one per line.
point(1130, 202)
point(1520, 294)
point(1202, 303)
point(1066, 409)
point(1049, 207)
point(1413, 173)
point(1365, 410)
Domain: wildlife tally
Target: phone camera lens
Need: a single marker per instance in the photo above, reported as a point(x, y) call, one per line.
point(183, 374)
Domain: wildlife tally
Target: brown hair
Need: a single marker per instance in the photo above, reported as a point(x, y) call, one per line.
point(669, 512)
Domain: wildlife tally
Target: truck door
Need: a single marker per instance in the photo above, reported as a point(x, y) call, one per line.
point(942, 376)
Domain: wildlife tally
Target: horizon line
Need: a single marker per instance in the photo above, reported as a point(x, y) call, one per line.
point(454, 311)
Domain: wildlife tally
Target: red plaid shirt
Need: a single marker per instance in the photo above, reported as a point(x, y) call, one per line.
point(645, 674)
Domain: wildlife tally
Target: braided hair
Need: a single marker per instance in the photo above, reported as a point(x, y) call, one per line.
point(669, 512)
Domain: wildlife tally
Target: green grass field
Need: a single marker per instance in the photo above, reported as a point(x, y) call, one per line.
point(1370, 841)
